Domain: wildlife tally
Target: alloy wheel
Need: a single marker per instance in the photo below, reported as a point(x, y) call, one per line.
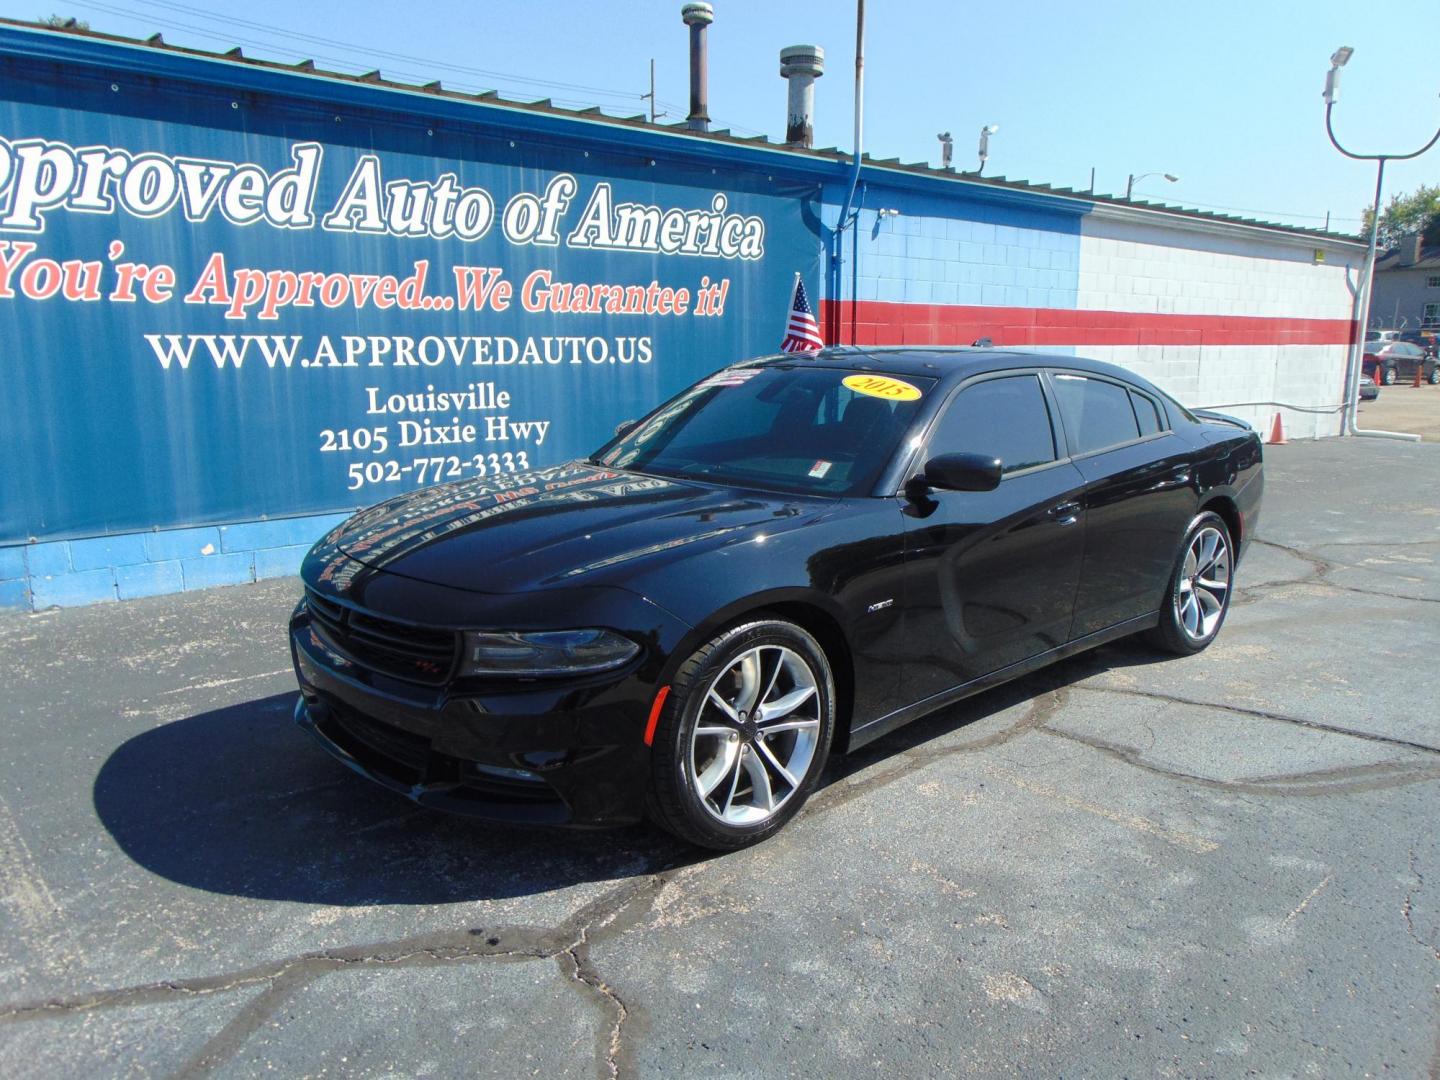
point(755, 735)
point(1204, 583)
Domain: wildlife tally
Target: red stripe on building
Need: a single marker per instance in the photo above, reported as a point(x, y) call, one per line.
point(884, 323)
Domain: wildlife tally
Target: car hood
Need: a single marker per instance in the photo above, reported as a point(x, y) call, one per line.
point(572, 523)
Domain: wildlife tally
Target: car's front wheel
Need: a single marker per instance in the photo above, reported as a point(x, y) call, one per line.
point(1389, 376)
point(1434, 377)
point(1200, 586)
point(743, 735)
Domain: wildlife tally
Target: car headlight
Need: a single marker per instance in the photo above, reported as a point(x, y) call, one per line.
point(547, 652)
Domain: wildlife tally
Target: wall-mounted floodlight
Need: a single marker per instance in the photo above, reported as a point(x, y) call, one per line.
point(1338, 59)
point(985, 133)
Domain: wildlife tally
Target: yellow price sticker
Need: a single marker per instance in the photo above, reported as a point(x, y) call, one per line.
point(882, 386)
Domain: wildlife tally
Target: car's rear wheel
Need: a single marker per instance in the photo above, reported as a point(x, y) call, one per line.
point(743, 736)
point(1434, 377)
point(1200, 587)
point(1389, 376)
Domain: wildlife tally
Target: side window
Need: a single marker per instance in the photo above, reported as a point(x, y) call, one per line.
point(1147, 413)
point(1006, 418)
point(1097, 414)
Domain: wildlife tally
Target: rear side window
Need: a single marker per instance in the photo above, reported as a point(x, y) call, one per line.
point(1097, 414)
point(1005, 418)
point(1147, 413)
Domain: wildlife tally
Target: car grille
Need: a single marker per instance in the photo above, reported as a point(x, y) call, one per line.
point(414, 653)
point(409, 759)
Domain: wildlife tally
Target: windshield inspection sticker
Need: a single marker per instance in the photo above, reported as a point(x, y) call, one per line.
point(882, 386)
point(820, 468)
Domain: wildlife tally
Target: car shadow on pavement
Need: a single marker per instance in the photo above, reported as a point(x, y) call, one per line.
point(239, 801)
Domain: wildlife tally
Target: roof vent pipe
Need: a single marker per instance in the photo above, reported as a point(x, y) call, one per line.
point(801, 65)
point(698, 17)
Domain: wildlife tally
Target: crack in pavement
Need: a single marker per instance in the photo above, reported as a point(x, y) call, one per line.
point(582, 971)
point(1408, 909)
point(1189, 841)
point(1306, 902)
point(1318, 782)
point(614, 911)
point(1321, 569)
point(837, 793)
point(1263, 714)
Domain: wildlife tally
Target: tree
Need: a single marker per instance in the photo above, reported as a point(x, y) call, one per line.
point(1405, 215)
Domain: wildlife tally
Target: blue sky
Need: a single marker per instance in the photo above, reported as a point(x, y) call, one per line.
point(1225, 95)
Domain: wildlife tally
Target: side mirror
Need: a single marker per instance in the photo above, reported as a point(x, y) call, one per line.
point(962, 472)
point(625, 427)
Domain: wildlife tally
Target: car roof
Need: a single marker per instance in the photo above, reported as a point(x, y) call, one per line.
point(946, 363)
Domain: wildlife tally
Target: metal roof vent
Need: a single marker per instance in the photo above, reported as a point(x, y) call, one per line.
point(698, 17)
point(801, 65)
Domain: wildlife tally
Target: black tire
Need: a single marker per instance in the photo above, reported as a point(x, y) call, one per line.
point(1172, 634)
point(675, 802)
point(1389, 376)
point(1434, 377)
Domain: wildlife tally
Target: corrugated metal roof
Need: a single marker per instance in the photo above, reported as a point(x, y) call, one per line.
point(680, 127)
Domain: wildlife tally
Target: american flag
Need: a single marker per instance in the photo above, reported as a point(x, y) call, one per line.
point(802, 333)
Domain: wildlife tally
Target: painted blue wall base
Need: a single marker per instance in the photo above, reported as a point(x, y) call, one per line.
point(72, 573)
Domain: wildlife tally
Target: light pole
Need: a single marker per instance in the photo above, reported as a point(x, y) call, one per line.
point(1130, 183)
point(1353, 365)
point(985, 133)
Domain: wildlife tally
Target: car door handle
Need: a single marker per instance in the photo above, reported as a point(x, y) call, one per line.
point(1067, 513)
point(1178, 476)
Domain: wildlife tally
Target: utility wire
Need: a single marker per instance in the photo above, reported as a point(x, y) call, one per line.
point(369, 53)
point(339, 63)
point(1275, 213)
point(670, 106)
point(368, 50)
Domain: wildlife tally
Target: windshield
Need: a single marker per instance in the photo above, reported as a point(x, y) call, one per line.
point(786, 426)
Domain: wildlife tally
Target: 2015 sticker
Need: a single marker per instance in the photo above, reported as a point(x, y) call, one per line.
point(882, 386)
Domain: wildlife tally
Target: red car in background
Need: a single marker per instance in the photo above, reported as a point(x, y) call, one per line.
point(1388, 362)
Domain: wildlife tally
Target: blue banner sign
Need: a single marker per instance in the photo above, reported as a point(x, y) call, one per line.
point(220, 313)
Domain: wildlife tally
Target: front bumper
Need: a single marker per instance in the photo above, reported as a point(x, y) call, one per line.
point(545, 752)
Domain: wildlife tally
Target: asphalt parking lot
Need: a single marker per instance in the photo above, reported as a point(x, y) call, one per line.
point(1126, 865)
point(1404, 408)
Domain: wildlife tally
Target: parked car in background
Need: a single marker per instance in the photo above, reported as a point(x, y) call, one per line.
point(792, 555)
point(1368, 390)
point(1427, 340)
point(1390, 361)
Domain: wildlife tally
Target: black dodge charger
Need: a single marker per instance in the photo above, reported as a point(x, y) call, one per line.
point(789, 559)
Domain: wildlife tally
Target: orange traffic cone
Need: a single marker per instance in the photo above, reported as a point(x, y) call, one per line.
point(1418, 369)
point(1277, 432)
